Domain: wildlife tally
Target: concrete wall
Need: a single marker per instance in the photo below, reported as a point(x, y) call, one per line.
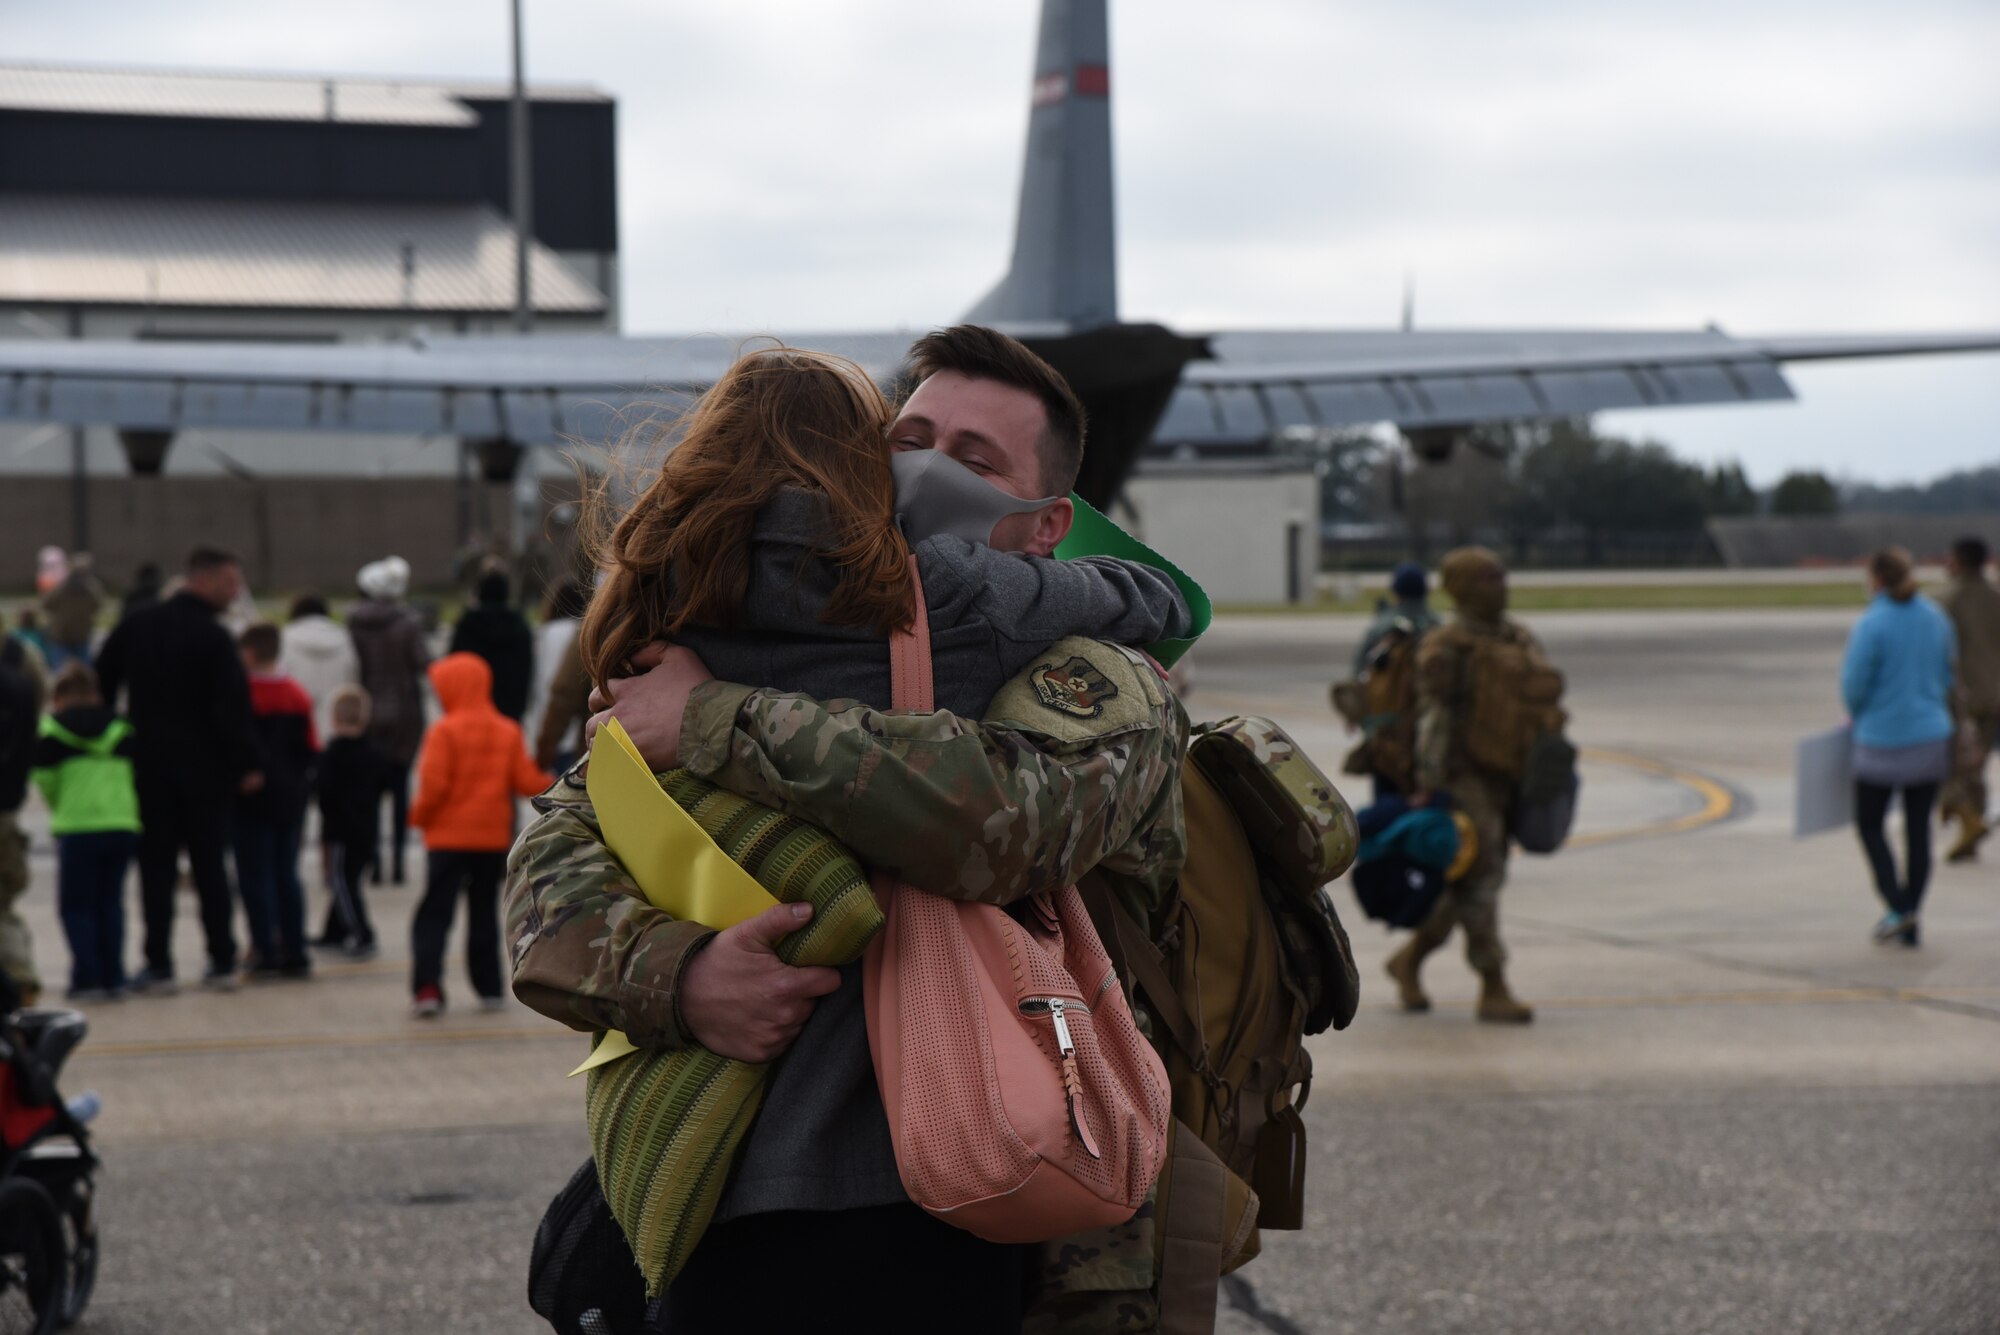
point(1248, 533)
point(294, 534)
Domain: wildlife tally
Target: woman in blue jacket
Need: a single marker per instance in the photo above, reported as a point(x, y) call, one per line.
point(1896, 680)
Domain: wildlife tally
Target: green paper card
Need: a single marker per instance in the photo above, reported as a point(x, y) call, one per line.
point(1094, 534)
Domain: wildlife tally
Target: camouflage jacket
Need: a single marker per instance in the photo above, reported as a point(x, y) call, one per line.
point(1075, 767)
point(1444, 691)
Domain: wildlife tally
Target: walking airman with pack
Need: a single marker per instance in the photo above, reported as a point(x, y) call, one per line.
point(1487, 711)
point(1974, 607)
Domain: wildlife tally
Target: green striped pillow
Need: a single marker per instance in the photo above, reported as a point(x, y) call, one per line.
point(666, 1125)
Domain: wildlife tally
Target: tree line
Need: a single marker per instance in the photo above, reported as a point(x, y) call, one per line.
point(1563, 474)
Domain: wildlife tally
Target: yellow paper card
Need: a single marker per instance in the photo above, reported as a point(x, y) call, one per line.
point(676, 865)
point(609, 1049)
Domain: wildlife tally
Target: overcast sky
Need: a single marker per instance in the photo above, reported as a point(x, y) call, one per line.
point(1776, 166)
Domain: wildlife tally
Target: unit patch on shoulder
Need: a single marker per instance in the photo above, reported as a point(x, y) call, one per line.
point(1073, 687)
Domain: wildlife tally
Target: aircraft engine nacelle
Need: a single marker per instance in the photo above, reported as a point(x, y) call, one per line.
point(1434, 444)
point(145, 451)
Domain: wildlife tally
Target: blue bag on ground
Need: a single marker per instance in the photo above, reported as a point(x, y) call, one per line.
point(1399, 871)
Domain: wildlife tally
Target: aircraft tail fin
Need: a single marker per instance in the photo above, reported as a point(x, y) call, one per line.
point(1065, 253)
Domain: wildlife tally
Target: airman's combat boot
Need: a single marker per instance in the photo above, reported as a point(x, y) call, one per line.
point(1403, 965)
point(1972, 828)
point(1497, 1004)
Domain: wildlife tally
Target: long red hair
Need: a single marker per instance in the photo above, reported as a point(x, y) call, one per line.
point(779, 417)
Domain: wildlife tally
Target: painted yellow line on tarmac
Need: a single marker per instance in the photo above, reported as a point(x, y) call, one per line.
point(1717, 802)
point(1801, 996)
point(169, 1047)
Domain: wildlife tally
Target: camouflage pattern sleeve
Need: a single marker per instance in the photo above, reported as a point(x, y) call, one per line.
point(1438, 670)
point(586, 947)
point(1075, 767)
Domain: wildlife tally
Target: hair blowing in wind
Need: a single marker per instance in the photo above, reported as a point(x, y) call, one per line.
point(780, 417)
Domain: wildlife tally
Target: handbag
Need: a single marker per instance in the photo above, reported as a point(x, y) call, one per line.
point(1023, 1102)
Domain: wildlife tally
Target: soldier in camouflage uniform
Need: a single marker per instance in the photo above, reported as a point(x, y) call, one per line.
point(1477, 583)
point(1055, 782)
point(26, 689)
point(1974, 607)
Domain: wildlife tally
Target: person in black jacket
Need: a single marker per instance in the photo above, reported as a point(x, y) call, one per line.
point(353, 775)
point(270, 822)
point(189, 702)
point(496, 631)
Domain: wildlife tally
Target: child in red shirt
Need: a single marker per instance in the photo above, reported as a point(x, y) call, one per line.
point(270, 821)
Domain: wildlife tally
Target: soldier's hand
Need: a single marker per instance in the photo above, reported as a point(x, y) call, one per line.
point(645, 660)
point(651, 704)
point(738, 999)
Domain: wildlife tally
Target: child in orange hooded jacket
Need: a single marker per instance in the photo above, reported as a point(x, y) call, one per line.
point(474, 763)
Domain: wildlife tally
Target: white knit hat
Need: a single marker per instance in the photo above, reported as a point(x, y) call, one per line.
point(386, 578)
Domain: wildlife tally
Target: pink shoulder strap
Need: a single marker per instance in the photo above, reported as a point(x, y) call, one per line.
point(910, 653)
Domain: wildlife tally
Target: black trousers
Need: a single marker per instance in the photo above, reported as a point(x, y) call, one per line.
point(177, 815)
point(1871, 809)
point(807, 1270)
point(399, 827)
point(478, 875)
point(346, 908)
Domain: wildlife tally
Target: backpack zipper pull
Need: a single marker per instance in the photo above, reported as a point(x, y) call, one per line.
point(1063, 1043)
point(1072, 1079)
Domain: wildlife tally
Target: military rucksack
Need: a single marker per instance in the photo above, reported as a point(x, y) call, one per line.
point(1246, 961)
point(1509, 698)
point(1382, 702)
point(1509, 701)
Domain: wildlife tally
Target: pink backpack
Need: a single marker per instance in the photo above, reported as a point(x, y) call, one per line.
point(1023, 1102)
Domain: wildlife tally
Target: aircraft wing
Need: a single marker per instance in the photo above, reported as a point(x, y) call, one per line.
point(1257, 382)
point(1237, 388)
point(548, 390)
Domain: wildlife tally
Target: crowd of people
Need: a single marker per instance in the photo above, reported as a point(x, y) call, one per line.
point(191, 733)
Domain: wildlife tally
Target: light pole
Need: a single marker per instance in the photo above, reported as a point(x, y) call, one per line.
point(523, 196)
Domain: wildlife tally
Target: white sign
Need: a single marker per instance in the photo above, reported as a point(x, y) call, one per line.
point(1825, 783)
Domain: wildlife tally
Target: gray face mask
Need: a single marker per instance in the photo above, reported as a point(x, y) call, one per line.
point(935, 494)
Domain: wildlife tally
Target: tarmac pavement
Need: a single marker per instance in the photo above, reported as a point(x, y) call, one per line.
point(1733, 1112)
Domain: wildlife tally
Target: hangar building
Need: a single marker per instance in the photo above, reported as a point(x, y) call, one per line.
point(158, 205)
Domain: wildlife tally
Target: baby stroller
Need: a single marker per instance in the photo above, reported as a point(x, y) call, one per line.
point(48, 1220)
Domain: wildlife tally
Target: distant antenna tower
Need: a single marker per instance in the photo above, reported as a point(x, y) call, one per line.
point(1409, 301)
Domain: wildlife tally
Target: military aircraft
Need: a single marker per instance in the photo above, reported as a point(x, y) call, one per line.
point(1138, 381)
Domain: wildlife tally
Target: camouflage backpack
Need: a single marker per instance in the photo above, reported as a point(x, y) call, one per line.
point(1382, 702)
point(1511, 699)
point(1246, 961)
